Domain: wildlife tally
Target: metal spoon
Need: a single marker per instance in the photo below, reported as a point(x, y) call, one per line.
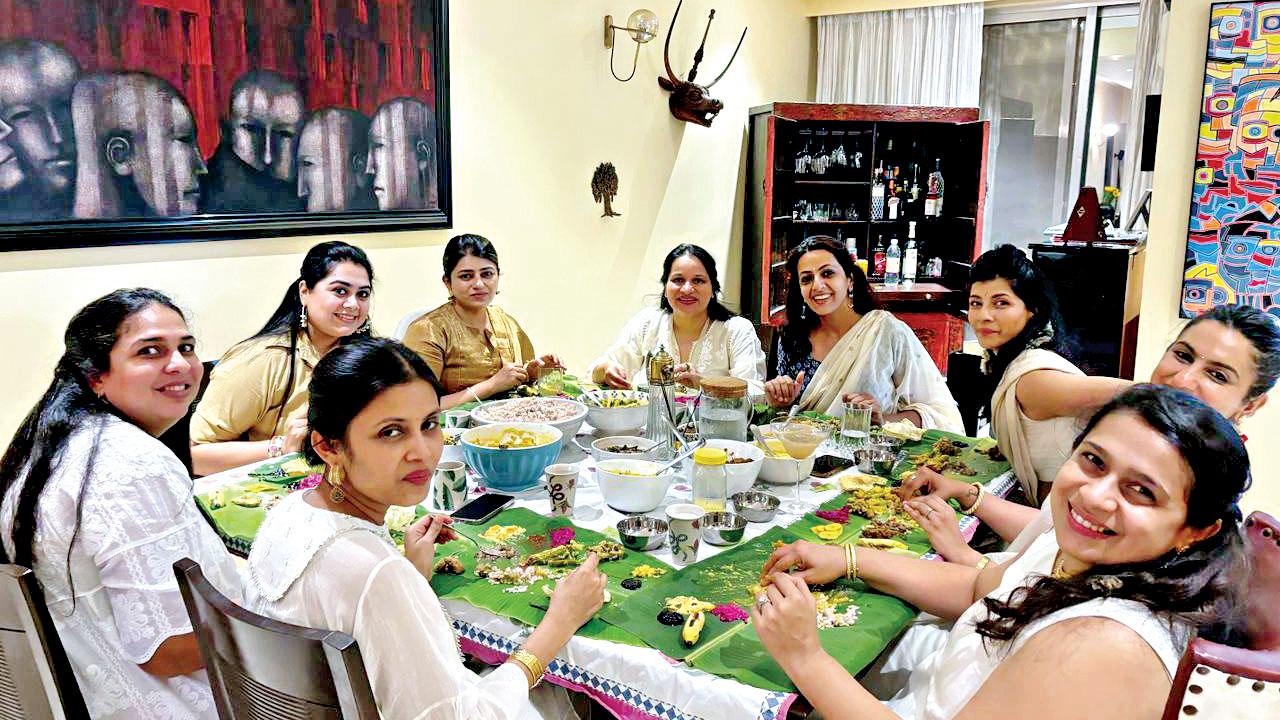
point(755, 432)
point(689, 450)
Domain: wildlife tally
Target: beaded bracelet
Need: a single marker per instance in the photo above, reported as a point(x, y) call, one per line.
point(974, 507)
point(531, 663)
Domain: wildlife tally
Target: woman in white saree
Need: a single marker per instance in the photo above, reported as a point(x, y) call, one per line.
point(837, 346)
point(324, 558)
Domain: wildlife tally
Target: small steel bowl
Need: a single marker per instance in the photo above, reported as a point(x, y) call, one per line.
point(875, 460)
point(755, 506)
point(893, 444)
point(641, 532)
point(723, 528)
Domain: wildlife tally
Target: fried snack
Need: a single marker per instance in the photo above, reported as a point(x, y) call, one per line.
point(559, 556)
point(888, 527)
point(873, 501)
point(829, 531)
point(947, 446)
point(449, 565)
point(608, 550)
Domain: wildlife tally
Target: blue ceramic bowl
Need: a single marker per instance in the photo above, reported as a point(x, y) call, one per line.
point(510, 469)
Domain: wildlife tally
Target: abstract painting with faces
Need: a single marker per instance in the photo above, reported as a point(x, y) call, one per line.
point(1233, 243)
point(154, 117)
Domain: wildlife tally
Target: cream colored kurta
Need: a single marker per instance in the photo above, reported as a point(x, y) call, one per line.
point(1036, 448)
point(322, 569)
point(136, 519)
point(247, 387)
point(460, 355)
point(728, 348)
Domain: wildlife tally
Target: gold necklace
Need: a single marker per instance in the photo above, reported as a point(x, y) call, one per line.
point(1059, 567)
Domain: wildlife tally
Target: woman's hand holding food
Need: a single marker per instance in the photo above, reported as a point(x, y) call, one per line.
point(421, 538)
point(578, 595)
point(937, 518)
point(613, 375)
point(813, 563)
point(784, 621)
point(511, 375)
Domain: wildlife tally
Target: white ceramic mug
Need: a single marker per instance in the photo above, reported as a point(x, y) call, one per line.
point(684, 528)
point(562, 484)
point(449, 485)
point(457, 418)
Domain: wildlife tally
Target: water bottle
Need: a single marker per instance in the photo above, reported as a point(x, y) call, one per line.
point(893, 264)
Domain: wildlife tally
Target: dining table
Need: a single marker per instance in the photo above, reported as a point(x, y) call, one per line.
point(629, 681)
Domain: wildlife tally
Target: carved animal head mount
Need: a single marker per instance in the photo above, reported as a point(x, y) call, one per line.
point(689, 101)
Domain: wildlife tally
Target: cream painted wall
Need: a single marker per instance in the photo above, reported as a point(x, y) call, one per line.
point(534, 111)
point(1170, 202)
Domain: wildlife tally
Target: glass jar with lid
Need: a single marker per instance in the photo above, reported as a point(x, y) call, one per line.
point(724, 410)
point(710, 479)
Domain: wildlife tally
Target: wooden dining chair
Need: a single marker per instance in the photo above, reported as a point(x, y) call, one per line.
point(263, 668)
point(36, 680)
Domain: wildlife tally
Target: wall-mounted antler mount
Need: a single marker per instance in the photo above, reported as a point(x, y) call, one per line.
point(689, 101)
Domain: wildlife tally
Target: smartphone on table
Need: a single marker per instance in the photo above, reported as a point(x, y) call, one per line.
point(827, 465)
point(482, 508)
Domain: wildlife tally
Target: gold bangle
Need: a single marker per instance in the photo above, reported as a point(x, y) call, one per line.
point(850, 562)
point(983, 562)
point(974, 507)
point(531, 663)
point(471, 390)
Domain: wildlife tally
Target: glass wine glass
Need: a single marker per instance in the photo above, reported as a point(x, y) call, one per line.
point(800, 438)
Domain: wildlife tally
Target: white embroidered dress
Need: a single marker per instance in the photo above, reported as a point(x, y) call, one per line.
point(137, 518)
point(728, 348)
point(322, 569)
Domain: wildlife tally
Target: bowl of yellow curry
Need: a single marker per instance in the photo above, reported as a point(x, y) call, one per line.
point(511, 456)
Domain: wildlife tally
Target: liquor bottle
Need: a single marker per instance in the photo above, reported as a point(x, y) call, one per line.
point(910, 256)
point(879, 259)
point(933, 201)
point(877, 198)
point(893, 264)
point(894, 201)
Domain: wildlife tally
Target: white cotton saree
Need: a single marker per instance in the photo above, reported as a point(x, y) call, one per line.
point(1035, 448)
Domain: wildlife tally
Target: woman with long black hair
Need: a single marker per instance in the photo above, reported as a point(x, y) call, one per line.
point(100, 509)
point(256, 404)
point(1144, 549)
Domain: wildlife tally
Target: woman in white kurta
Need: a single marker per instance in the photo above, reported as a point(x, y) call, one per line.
point(1144, 540)
point(837, 347)
point(324, 558)
point(101, 510)
point(705, 339)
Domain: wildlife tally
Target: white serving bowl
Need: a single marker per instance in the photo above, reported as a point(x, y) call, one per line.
point(782, 470)
point(567, 427)
point(740, 476)
point(454, 451)
point(632, 493)
point(599, 449)
point(616, 420)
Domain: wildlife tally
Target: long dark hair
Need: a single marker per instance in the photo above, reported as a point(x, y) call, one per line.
point(460, 246)
point(715, 309)
point(66, 405)
point(316, 266)
point(1031, 287)
point(800, 320)
point(1200, 584)
point(1261, 330)
point(349, 377)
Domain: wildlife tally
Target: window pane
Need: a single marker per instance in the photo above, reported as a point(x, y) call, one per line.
point(1112, 93)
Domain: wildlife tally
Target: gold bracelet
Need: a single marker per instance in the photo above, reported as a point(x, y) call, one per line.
point(531, 663)
point(471, 390)
point(983, 562)
point(974, 507)
point(850, 562)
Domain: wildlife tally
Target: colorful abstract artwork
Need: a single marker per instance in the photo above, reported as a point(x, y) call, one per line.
point(1233, 242)
point(133, 120)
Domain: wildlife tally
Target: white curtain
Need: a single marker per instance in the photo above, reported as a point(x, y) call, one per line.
point(920, 56)
point(1148, 77)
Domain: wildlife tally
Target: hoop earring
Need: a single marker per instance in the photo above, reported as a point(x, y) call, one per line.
point(302, 319)
point(334, 476)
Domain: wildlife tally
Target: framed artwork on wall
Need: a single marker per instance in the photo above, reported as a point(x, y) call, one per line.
point(127, 121)
point(1233, 242)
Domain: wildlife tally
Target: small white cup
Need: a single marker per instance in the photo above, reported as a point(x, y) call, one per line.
point(562, 484)
point(684, 523)
point(457, 418)
point(449, 485)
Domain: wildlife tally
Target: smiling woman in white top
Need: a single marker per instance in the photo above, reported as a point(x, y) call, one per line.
point(100, 509)
point(704, 337)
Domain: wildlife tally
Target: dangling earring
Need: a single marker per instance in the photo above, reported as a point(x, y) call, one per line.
point(365, 327)
point(334, 476)
point(302, 319)
point(804, 311)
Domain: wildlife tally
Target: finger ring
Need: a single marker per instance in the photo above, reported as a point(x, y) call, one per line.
point(761, 601)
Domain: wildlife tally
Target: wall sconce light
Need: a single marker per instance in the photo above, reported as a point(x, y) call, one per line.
point(642, 26)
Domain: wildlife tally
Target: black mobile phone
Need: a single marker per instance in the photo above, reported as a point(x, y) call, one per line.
point(482, 508)
point(828, 465)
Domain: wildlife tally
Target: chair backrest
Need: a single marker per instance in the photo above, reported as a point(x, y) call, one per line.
point(1219, 682)
point(261, 668)
point(768, 336)
point(36, 680)
point(964, 374)
point(407, 320)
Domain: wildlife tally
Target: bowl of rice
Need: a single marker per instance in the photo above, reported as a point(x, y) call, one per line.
point(511, 456)
point(561, 413)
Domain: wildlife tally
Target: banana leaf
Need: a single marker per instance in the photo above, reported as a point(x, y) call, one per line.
point(284, 469)
point(235, 524)
point(986, 468)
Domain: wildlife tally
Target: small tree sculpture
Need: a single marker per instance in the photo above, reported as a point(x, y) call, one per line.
point(604, 185)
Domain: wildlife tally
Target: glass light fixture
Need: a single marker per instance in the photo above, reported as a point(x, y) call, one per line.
point(642, 26)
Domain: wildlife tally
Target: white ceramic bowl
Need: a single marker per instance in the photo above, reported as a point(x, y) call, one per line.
point(741, 476)
point(454, 451)
point(600, 448)
point(782, 470)
point(632, 493)
point(567, 427)
point(616, 420)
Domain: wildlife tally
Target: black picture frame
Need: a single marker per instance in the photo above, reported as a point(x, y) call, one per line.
point(49, 234)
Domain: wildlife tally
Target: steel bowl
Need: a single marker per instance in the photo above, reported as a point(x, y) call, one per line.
point(723, 528)
point(755, 506)
point(876, 460)
point(642, 532)
point(884, 440)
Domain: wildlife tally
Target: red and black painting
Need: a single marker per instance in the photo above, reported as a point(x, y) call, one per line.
point(136, 120)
